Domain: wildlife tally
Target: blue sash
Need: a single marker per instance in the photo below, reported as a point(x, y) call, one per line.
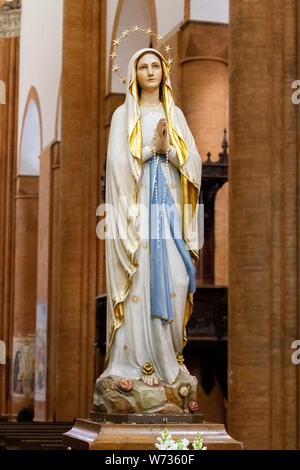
point(161, 305)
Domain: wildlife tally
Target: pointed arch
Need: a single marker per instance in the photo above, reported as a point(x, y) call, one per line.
point(31, 141)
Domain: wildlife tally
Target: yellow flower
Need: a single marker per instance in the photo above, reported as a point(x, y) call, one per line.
point(180, 359)
point(148, 368)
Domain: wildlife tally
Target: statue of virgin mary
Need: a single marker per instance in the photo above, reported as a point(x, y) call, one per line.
point(153, 177)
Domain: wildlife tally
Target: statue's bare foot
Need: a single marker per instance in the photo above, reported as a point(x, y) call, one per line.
point(184, 369)
point(149, 379)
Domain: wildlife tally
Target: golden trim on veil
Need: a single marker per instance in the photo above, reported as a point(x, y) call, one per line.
point(135, 139)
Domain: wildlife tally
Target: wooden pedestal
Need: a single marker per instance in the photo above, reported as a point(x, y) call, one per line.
point(88, 434)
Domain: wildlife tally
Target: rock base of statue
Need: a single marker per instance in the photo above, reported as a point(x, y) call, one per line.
point(130, 415)
point(125, 434)
point(116, 395)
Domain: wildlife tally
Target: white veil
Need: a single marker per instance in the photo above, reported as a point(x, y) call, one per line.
point(123, 171)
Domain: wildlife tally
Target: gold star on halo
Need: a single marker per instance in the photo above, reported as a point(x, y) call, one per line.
point(123, 79)
point(136, 28)
point(113, 55)
point(169, 62)
point(115, 68)
point(125, 33)
point(148, 31)
point(167, 48)
point(116, 42)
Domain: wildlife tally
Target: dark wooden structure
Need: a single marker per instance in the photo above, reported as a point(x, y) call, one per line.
point(214, 175)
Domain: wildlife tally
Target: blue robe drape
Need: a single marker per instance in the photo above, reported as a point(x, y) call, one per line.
point(161, 305)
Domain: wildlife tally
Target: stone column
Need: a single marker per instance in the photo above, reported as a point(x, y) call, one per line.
point(298, 205)
point(80, 189)
point(47, 317)
point(203, 58)
point(204, 86)
point(9, 76)
point(263, 225)
point(22, 381)
point(43, 305)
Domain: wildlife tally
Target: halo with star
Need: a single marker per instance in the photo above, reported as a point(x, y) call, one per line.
point(125, 33)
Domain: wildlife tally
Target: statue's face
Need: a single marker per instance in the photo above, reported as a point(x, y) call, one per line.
point(149, 72)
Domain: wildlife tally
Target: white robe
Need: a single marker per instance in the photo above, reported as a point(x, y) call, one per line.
point(142, 338)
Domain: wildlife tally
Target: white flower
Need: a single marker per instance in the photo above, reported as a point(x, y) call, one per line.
point(183, 444)
point(165, 442)
point(173, 445)
point(198, 443)
point(167, 445)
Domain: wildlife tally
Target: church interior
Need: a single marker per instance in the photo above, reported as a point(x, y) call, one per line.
point(235, 73)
